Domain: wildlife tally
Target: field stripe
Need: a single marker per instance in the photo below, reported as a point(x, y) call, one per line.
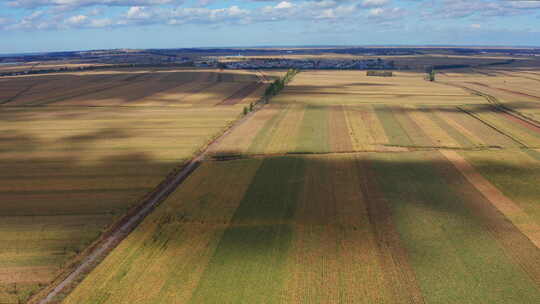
point(512, 129)
point(374, 125)
point(439, 136)
point(505, 205)
point(393, 256)
point(393, 129)
point(248, 264)
point(416, 134)
point(339, 137)
point(313, 134)
point(263, 137)
point(239, 141)
point(334, 254)
point(455, 258)
point(463, 141)
point(361, 138)
point(485, 132)
point(285, 137)
point(485, 202)
point(449, 118)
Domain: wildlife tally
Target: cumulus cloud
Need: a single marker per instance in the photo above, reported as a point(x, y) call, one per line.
point(47, 14)
point(284, 4)
point(386, 14)
point(138, 12)
point(374, 3)
point(455, 9)
point(76, 20)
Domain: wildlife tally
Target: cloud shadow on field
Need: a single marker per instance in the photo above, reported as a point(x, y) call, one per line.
point(118, 88)
point(389, 191)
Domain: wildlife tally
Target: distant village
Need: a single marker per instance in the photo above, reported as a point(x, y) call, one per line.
point(304, 64)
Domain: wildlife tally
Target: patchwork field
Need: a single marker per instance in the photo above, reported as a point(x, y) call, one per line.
point(78, 150)
point(517, 89)
point(281, 129)
point(364, 228)
point(349, 189)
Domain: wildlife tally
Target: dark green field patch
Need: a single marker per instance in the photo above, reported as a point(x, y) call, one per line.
point(248, 264)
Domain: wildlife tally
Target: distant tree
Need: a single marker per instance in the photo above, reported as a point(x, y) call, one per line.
point(251, 106)
point(245, 111)
point(431, 76)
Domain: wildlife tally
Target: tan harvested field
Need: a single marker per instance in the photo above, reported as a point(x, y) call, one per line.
point(28, 66)
point(125, 87)
point(322, 88)
point(347, 189)
point(77, 150)
point(517, 89)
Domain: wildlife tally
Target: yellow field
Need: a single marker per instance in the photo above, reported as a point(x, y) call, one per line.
point(79, 149)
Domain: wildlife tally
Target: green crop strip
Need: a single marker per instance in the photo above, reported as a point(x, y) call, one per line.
point(455, 259)
point(515, 174)
point(264, 136)
point(393, 129)
point(455, 134)
point(313, 133)
point(248, 264)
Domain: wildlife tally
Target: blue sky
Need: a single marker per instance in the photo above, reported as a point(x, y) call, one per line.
point(54, 25)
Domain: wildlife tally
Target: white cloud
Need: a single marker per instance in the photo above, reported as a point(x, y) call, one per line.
point(100, 22)
point(284, 4)
point(137, 12)
point(81, 3)
point(76, 20)
point(455, 9)
point(374, 3)
point(386, 14)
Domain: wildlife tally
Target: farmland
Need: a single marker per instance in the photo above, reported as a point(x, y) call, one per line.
point(346, 189)
point(286, 234)
point(516, 89)
point(80, 149)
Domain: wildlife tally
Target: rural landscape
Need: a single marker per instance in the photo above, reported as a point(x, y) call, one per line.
point(270, 151)
point(208, 185)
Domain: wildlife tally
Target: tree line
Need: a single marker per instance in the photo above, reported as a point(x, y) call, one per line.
point(279, 84)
